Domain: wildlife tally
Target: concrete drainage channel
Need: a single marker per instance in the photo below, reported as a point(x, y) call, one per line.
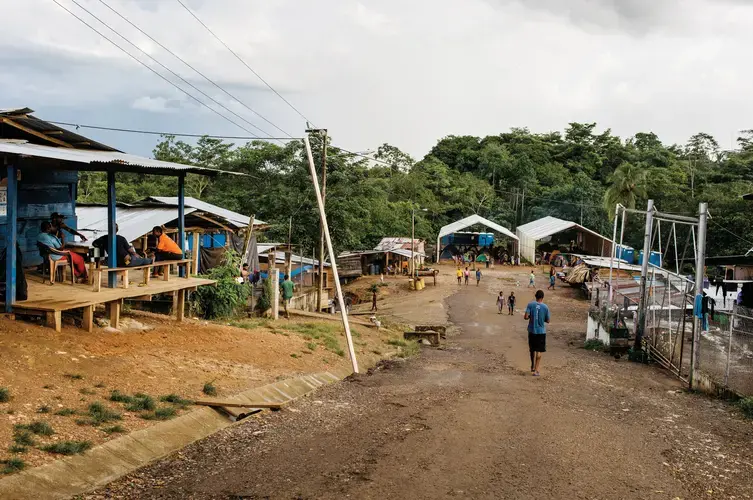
point(105, 463)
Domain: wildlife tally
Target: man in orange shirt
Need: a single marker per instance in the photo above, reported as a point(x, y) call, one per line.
point(167, 249)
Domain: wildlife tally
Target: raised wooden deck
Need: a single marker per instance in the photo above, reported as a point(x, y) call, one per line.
point(52, 300)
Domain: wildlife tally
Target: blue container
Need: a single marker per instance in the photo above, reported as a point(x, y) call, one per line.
point(626, 253)
point(485, 239)
point(655, 259)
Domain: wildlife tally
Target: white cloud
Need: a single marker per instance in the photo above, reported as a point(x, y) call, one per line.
point(394, 71)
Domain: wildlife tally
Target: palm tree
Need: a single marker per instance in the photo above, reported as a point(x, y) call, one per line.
point(627, 184)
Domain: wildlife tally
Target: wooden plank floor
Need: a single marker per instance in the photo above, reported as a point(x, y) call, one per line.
point(64, 296)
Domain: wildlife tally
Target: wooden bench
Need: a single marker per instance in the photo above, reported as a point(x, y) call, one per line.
point(95, 273)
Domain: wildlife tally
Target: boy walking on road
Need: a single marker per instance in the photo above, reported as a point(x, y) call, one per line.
point(511, 303)
point(532, 280)
point(478, 276)
point(460, 276)
point(537, 314)
point(500, 302)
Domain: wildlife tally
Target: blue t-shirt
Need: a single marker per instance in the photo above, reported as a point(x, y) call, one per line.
point(538, 315)
point(52, 242)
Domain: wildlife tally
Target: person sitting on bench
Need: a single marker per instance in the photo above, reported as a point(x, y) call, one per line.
point(55, 246)
point(126, 254)
point(166, 249)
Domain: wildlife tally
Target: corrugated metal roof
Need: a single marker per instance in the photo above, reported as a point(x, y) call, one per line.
point(406, 253)
point(472, 220)
point(264, 248)
point(547, 226)
point(395, 242)
point(100, 160)
point(238, 220)
point(133, 222)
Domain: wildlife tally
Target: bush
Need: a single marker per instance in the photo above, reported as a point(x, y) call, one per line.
point(17, 448)
point(209, 389)
point(176, 400)
point(119, 397)
point(226, 298)
point(23, 438)
point(593, 345)
point(39, 428)
point(746, 406)
point(100, 414)
point(165, 413)
point(4, 395)
point(267, 296)
point(67, 447)
point(141, 402)
point(65, 412)
point(12, 465)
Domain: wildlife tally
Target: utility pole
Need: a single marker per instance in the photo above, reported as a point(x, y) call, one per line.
point(412, 245)
point(289, 252)
point(320, 287)
point(644, 275)
point(700, 267)
point(614, 253)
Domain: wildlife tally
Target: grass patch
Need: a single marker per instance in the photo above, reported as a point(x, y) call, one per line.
point(44, 409)
point(311, 346)
point(24, 438)
point(176, 400)
point(119, 397)
point(397, 342)
point(4, 394)
point(141, 402)
point(74, 376)
point(115, 429)
point(746, 406)
point(294, 355)
point(250, 324)
point(411, 349)
point(209, 389)
point(12, 465)
point(164, 413)
point(38, 427)
point(100, 414)
point(593, 345)
point(315, 330)
point(17, 448)
point(67, 447)
point(65, 412)
point(86, 392)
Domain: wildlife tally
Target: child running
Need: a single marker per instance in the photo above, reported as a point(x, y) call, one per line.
point(500, 302)
point(460, 276)
point(511, 303)
point(551, 282)
point(532, 280)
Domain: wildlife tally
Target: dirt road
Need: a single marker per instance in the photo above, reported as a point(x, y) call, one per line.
point(469, 421)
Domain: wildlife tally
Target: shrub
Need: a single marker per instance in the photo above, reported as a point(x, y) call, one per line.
point(176, 400)
point(746, 406)
point(65, 412)
point(141, 402)
point(311, 346)
point(209, 389)
point(593, 345)
point(114, 429)
point(17, 448)
point(397, 342)
point(12, 465)
point(23, 438)
point(266, 298)
point(100, 414)
point(227, 297)
point(119, 397)
point(4, 395)
point(67, 447)
point(39, 428)
point(165, 413)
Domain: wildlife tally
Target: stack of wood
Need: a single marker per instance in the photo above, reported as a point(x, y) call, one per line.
point(578, 275)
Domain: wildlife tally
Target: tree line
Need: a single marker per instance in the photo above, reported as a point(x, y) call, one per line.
point(511, 178)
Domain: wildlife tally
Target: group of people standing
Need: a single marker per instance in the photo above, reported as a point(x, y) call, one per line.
point(466, 274)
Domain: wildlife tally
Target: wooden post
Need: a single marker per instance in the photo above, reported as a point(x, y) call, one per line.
point(182, 219)
point(88, 322)
point(114, 311)
point(323, 216)
point(180, 309)
point(274, 277)
point(195, 256)
point(320, 289)
point(11, 237)
point(246, 246)
point(112, 254)
point(54, 319)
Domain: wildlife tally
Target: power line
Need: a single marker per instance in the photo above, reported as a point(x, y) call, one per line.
point(173, 72)
point(177, 134)
point(549, 199)
point(732, 233)
point(244, 62)
point(193, 68)
point(148, 67)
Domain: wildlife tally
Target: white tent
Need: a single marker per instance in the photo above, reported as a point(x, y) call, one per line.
point(530, 233)
point(469, 221)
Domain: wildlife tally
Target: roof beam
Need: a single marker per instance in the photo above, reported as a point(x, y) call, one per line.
point(10, 122)
point(194, 214)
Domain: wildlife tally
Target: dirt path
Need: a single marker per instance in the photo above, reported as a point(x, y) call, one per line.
point(469, 421)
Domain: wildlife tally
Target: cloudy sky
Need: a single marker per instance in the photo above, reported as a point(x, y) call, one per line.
point(405, 72)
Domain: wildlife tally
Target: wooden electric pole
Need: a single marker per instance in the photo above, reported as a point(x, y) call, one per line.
point(320, 287)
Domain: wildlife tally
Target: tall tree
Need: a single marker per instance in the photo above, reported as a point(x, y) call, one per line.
point(626, 185)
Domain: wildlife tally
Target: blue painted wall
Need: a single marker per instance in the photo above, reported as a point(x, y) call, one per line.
point(41, 192)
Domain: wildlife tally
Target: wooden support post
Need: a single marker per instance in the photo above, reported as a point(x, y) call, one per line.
point(147, 275)
point(11, 236)
point(180, 308)
point(166, 272)
point(114, 312)
point(195, 253)
point(112, 262)
point(182, 218)
point(54, 319)
point(274, 277)
point(96, 280)
point(89, 318)
point(124, 274)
